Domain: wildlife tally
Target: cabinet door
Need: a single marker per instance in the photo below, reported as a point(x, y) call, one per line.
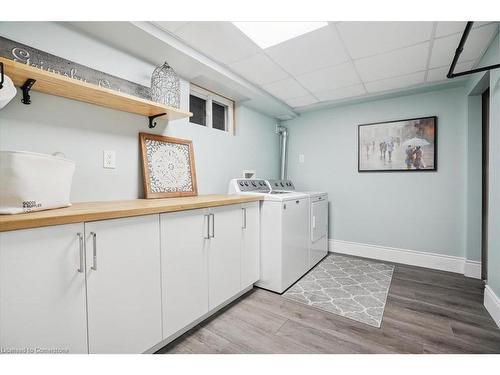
point(250, 245)
point(184, 246)
point(295, 240)
point(124, 289)
point(42, 294)
point(224, 254)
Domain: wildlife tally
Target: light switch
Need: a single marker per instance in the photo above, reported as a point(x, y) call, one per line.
point(302, 158)
point(108, 159)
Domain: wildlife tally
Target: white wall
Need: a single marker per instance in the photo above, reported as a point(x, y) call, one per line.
point(82, 131)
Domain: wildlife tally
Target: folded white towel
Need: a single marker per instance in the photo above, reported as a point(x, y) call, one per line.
point(7, 92)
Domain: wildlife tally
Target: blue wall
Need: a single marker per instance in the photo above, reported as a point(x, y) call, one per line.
point(416, 211)
point(475, 86)
point(494, 172)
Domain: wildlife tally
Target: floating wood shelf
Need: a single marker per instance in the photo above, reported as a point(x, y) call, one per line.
point(59, 85)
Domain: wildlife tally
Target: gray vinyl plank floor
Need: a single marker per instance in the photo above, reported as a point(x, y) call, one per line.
point(427, 311)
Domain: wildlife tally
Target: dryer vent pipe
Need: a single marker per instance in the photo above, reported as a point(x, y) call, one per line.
point(283, 134)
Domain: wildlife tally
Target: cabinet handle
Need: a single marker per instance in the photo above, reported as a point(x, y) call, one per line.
point(207, 236)
point(244, 218)
point(314, 222)
point(297, 202)
point(94, 251)
point(80, 244)
point(213, 225)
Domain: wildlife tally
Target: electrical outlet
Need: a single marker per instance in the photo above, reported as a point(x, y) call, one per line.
point(108, 159)
point(302, 158)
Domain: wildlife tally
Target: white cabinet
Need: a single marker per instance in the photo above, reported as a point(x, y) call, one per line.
point(42, 293)
point(224, 254)
point(184, 261)
point(208, 256)
point(123, 284)
point(250, 244)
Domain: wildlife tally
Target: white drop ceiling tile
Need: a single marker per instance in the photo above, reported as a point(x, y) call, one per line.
point(443, 50)
point(369, 38)
point(445, 28)
point(395, 83)
point(329, 78)
point(259, 69)
point(302, 101)
point(449, 27)
point(170, 26)
point(222, 41)
point(392, 64)
point(315, 50)
point(479, 38)
point(344, 92)
point(439, 74)
point(286, 89)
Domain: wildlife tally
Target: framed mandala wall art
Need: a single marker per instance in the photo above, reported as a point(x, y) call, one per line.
point(167, 166)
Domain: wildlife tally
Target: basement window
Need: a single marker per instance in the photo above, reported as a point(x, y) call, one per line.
point(197, 106)
point(211, 110)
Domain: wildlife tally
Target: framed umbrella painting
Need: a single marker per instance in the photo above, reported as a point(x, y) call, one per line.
point(398, 146)
point(167, 166)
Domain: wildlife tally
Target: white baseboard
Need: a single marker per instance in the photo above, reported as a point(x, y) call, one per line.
point(492, 304)
point(472, 269)
point(410, 257)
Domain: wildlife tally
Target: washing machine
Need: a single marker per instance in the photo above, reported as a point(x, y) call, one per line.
point(284, 233)
point(318, 219)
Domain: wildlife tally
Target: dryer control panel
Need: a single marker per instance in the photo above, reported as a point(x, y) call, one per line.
point(281, 185)
point(251, 185)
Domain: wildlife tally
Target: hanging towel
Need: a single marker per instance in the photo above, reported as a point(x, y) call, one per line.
point(7, 92)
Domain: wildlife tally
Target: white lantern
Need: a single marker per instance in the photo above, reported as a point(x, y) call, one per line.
point(165, 87)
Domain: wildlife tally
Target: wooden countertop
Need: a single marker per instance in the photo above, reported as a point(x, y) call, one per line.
point(92, 211)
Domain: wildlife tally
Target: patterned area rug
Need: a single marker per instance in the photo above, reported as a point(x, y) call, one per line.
point(351, 287)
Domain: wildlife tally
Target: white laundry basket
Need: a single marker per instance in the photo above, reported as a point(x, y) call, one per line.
point(33, 182)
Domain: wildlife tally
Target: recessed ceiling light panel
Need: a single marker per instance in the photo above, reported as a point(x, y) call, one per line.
point(267, 34)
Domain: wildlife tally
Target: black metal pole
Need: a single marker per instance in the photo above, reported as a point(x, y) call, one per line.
point(472, 71)
point(1, 73)
point(460, 48)
point(457, 56)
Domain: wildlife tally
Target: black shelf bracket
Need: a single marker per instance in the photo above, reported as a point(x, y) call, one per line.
point(26, 87)
point(459, 51)
point(1, 73)
point(152, 122)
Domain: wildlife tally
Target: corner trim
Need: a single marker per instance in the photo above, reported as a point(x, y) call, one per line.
point(492, 304)
point(409, 257)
